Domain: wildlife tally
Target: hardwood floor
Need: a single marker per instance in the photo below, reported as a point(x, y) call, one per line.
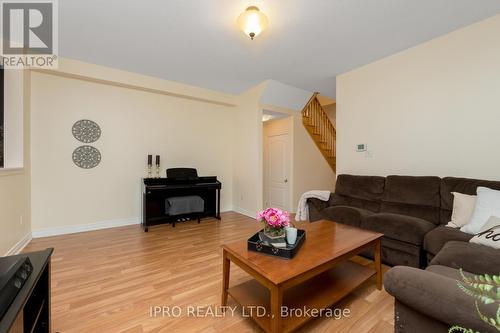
point(108, 280)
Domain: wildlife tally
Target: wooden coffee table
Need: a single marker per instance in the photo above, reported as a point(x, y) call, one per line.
point(319, 276)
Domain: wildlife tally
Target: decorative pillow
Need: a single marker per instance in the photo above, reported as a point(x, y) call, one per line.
point(490, 234)
point(463, 207)
point(487, 204)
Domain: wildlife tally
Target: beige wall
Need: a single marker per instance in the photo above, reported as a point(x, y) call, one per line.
point(430, 110)
point(247, 153)
point(13, 222)
point(310, 169)
point(14, 184)
point(134, 123)
point(278, 126)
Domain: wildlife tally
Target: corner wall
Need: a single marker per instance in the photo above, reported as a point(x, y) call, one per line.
point(247, 153)
point(310, 169)
point(15, 228)
point(430, 110)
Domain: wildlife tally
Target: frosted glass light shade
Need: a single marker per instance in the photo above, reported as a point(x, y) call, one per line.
point(252, 22)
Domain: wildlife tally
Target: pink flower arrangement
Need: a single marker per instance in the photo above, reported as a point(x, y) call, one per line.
point(274, 218)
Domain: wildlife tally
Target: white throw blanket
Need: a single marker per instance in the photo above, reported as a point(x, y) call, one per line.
point(303, 209)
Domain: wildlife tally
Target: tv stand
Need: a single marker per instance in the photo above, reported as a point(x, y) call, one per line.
point(30, 310)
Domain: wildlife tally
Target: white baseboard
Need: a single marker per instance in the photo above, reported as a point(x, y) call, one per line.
point(72, 229)
point(19, 246)
point(245, 212)
point(64, 230)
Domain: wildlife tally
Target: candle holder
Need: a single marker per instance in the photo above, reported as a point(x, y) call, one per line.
point(150, 166)
point(157, 166)
point(150, 171)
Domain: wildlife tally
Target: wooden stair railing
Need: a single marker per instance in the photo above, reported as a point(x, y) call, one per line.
point(321, 129)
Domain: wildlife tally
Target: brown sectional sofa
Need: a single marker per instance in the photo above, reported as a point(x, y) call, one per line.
point(410, 211)
point(431, 301)
point(437, 238)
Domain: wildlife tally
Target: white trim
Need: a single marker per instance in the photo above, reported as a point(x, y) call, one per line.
point(19, 246)
point(245, 212)
point(11, 171)
point(64, 230)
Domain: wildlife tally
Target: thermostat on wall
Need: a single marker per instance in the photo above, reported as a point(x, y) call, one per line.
point(361, 147)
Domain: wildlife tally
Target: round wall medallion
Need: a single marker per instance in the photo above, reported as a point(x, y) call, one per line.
point(86, 131)
point(86, 157)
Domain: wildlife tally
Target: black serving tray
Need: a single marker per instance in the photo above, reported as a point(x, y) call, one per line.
point(288, 252)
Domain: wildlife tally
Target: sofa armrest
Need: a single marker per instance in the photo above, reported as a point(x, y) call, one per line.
point(470, 257)
point(316, 206)
point(436, 296)
point(319, 204)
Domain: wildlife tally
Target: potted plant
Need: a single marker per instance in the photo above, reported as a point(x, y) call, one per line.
point(274, 221)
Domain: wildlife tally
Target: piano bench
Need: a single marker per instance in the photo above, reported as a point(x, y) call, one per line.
point(184, 205)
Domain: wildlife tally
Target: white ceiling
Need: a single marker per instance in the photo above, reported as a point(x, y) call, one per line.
point(307, 44)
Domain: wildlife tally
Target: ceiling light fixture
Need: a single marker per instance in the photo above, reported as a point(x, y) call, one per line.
point(252, 21)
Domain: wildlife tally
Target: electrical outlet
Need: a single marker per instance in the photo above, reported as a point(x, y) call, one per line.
point(21, 219)
point(241, 197)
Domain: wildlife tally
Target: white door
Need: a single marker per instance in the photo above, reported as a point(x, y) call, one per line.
point(278, 168)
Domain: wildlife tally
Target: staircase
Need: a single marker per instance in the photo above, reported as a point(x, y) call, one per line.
point(321, 129)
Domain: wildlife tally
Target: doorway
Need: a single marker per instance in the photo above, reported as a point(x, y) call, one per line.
point(277, 163)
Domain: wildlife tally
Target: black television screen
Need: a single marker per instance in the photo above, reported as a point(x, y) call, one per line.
point(1, 118)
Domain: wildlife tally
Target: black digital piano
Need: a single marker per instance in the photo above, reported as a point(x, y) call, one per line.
point(180, 182)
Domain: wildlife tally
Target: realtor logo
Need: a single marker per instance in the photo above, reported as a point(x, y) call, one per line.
point(29, 33)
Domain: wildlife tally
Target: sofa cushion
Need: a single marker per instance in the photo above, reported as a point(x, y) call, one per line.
point(413, 196)
point(437, 238)
point(347, 215)
point(341, 200)
point(430, 214)
point(473, 258)
point(360, 187)
point(400, 227)
point(423, 191)
point(463, 208)
point(487, 205)
point(489, 234)
point(461, 185)
point(396, 252)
